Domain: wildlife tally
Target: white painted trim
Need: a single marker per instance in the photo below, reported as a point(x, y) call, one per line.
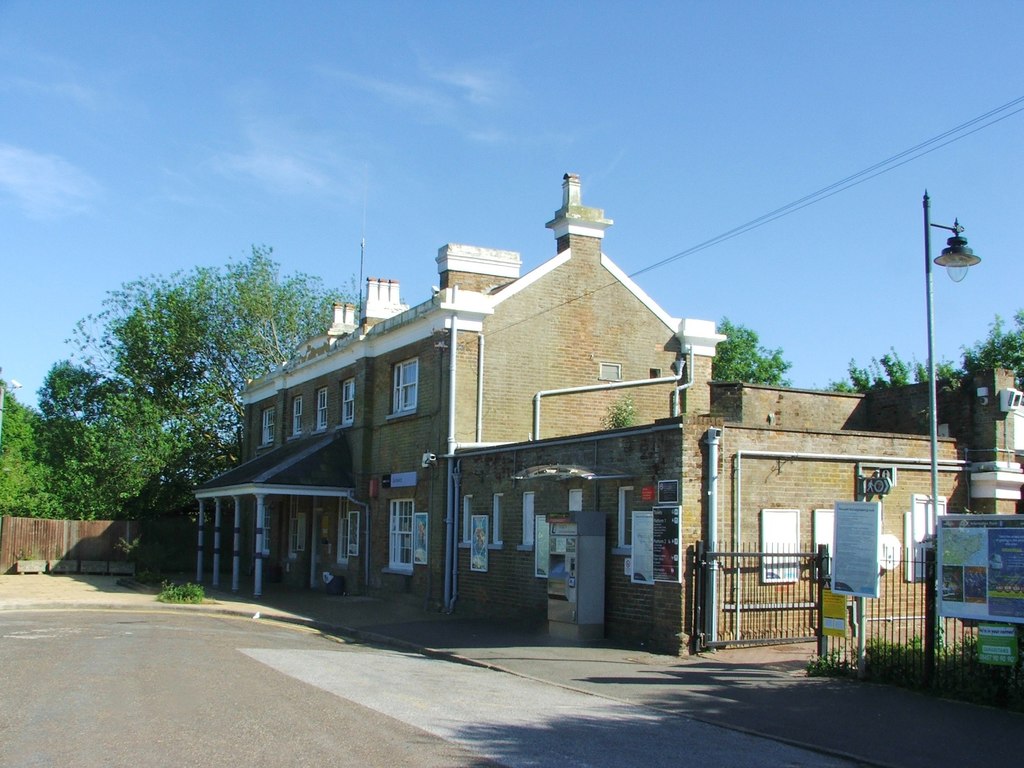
point(529, 279)
point(670, 322)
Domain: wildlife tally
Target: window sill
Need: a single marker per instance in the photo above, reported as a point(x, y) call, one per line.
point(400, 415)
point(524, 548)
point(397, 571)
point(626, 551)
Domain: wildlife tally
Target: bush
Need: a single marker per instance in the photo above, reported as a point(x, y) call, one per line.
point(181, 593)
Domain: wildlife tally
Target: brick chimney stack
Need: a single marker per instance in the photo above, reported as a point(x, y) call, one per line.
point(575, 222)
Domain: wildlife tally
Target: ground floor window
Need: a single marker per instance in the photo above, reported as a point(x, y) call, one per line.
point(348, 532)
point(528, 532)
point(624, 540)
point(400, 535)
point(296, 530)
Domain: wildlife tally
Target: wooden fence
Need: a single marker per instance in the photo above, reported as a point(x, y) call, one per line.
point(65, 545)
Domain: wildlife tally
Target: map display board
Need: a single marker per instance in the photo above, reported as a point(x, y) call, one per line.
point(980, 562)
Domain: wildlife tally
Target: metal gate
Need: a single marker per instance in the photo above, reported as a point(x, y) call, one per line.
point(753, 597)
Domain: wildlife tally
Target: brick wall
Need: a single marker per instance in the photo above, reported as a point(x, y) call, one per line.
point(555, 334)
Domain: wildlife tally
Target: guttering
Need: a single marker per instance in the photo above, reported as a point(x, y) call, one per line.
point(590, 437)
point(590, 388)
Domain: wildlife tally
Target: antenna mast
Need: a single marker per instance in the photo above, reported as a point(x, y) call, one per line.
point(362, 250)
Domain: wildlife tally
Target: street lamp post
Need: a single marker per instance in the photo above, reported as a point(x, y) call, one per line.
point(956, 257)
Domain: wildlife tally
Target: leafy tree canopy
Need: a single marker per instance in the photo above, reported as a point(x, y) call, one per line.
point(22, 476)
point(1002, 348)
point(152, 404)
point(742, 358)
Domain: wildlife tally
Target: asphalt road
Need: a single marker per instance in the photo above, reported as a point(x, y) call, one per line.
point(109, 688)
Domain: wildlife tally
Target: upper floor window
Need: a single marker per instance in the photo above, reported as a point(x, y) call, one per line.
point(405, 386)
point(297, 415)
point(267, 431)
point(610, 372)
point(348, 402)
point(321, 408)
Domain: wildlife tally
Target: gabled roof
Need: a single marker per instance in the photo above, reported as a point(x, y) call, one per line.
point(320, 465)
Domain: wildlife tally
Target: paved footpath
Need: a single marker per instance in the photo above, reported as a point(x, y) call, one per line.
point(763, 691)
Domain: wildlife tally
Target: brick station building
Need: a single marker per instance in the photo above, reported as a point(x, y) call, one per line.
point(432, 453)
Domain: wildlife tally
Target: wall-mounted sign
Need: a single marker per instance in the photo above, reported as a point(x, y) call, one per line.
point(666, 544)
point(399, 480)
point(647, 493)
point(668, 491)
point(643, 547)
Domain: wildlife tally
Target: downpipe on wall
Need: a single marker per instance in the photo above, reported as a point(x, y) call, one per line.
point(713, 440)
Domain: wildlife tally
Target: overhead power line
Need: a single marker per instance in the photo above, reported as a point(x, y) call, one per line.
point(961, 131)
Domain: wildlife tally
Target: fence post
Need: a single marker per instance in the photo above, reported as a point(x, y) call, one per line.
point(821, 579)
point(930, 615)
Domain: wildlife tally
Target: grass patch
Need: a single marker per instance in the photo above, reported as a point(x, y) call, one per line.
point(181, 593)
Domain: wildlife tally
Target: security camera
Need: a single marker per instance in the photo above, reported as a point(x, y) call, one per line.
point(428, 459)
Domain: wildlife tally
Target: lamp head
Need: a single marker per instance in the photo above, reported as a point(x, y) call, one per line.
point(957, 257)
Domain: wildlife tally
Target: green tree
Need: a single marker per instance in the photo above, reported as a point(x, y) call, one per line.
point(1002, 348)
point(103, 447)
point(158, 379)
point(22, 475)
point(742, 358)
point(890, 370)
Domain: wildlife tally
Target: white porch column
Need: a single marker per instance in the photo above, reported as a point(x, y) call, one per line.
point(199, 541)
point(261, 513)
point(216, 541)
point(236, 552)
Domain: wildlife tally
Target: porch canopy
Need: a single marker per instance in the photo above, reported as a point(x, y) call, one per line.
point(319, 465)
point(314, 466)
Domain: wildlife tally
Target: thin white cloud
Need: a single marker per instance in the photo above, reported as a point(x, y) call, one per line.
point(464, 98)
point(399, 94)
point(44, 186)
point(478, 87)
point(283, 160)
point(65, 90)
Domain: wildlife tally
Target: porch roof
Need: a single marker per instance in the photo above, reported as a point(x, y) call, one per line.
point(320, 465)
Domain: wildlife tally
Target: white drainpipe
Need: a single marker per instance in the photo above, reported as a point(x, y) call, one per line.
point(674, 405)
point(713, 440)
point(590, 388)
point(480, 392)
point(451, 559)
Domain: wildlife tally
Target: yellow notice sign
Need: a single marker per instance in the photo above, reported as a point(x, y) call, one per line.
point(833, 614)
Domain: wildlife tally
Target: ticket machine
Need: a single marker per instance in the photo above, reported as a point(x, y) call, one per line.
point(576, 577)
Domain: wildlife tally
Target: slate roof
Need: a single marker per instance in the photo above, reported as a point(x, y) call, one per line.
point(321, 461)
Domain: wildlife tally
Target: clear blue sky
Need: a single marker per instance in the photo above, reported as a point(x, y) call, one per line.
point(144, 138)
